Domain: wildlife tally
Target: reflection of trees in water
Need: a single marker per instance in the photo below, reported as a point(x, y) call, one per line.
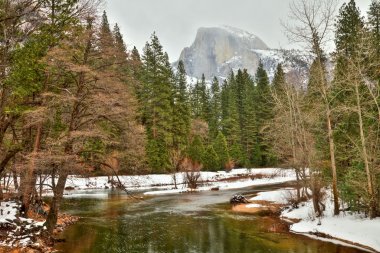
point(119, 229)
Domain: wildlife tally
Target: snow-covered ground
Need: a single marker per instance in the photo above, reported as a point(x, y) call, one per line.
point(18, 231)
point(279, 196)
point(269, 176)
point(164, 184)
point(8, 211)
point(347, 227)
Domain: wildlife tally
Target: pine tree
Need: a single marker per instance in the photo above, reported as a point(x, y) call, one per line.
point(348, 28)
point(200, 100)
point(230, 114)
point(221, 149)
point(135, 65)
point(263, 115)
point(119, 41)
point(352, 92)
point(196, 150)
point(250, 130)
point(106, 43)
point(215, 109)
point(157, 78)
point(240, 93)
point(237, 155)
point(195, 101)
point(278, 79)
point(374, 30)
point(105, 25)
point(211, 159)
point(204, 99)
point(181, 110)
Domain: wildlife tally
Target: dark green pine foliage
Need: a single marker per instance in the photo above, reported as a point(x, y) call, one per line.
point(106, 44)
point(349, 36)
point(157, 81)
point(195, 101)
point(120, 55)
point(348, 29)
point(28, 76)
point(348, 33)
point(264, 113)
point(278, 80)
point(205, 99)
point(245, 98)
point(200, 100)
point(240, 94)
point(196, 150)
point(374, 30)
point(181, 110)
point(249, 131)
point(135, 60)
point(60, 16)
point(221, 149)
point(374, 24)
point(224, 99)
point(211, 159)
point(237, 155)
point(118, 40)
point(105, 25)
point(215, 109)
point(230, 114)
point(106, 37)
point(135, 68)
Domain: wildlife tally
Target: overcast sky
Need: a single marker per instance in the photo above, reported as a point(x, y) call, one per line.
point(176, 21)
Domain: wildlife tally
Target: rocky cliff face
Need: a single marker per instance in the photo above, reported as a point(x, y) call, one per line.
point(218, 50)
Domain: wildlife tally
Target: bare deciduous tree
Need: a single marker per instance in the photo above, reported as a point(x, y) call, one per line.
point(312, 26)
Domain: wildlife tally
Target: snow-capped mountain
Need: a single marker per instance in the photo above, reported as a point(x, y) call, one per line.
point(218, 50)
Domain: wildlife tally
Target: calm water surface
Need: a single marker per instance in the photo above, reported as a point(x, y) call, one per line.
point(185, 223)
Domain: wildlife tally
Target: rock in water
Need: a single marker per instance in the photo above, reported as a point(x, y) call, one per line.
point(238, 199)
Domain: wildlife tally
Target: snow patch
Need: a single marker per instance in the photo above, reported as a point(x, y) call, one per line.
point(278, 196)
point(253, 206)
point(239, 32)
point(348, 227)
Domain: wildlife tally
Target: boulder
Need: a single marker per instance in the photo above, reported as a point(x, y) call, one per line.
point(238, 199)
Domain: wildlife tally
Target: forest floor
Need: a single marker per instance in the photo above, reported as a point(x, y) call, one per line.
point(347, 229)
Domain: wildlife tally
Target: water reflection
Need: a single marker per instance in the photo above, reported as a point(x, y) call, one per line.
point(178, 224)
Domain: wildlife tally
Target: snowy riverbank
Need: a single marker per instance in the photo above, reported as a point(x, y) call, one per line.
point(156, 184)
point(16, 231)
point(347, 228)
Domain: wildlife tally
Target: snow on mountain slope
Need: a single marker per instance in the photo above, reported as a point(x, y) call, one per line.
point(216, 51)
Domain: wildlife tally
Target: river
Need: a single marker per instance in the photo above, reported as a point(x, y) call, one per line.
point(183, 223)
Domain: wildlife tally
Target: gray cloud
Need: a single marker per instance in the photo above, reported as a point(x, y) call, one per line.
point(176, 21)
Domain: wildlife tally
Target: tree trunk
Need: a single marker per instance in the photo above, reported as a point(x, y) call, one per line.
point(371, 190)
point(31, 176)
point(324, 93)
point(332, 158)
point(51, 220)
point(1, 193)
point(14, 173)
point(316, 193)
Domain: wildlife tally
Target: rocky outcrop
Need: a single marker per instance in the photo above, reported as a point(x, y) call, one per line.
point(218, 50)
